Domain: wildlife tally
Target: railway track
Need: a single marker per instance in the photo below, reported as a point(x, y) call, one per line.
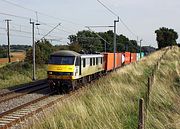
point(20, 113)
point(9, 100)
point(14, 95)
point(23, 87)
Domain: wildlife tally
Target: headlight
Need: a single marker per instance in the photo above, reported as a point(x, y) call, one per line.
point(50, 73)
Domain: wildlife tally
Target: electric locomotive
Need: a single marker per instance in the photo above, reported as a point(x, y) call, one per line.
point(66, 69)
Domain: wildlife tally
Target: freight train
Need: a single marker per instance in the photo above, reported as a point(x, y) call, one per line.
point(67, 69)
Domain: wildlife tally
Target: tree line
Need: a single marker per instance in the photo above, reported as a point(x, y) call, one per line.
point(90, 42)
point(83, 42)
point(14, 48)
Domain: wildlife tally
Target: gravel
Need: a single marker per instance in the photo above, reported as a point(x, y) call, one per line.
point(5, 106)
point(2, 91)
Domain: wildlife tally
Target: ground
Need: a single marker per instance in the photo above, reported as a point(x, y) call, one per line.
point(17, 56)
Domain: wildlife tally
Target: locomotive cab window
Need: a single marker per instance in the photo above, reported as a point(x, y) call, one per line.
point(61, 60)
point(77, 61)
point(101, 60)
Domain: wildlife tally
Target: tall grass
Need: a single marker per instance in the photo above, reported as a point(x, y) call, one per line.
point(164, 111)
point(19, 73)
point(112, 102)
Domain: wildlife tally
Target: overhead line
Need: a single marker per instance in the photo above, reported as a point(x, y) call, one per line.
point(26, 32)
point(12, 15)
point(108, 8)
point(15, 35)
point(19, 25)
point(27, 18)
point(51, 31)
point(128, 28)
point(117, 16)
point(99, 36)
point(17, 5)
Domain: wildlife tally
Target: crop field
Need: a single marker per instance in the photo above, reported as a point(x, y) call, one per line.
point(17, 56)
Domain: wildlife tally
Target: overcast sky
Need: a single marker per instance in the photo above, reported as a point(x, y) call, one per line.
point(142, 17)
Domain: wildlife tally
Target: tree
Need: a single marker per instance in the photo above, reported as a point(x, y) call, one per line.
point(3, 53)
point(89, 42)
point(86, 41)
point(166, 37)
point(43, 50)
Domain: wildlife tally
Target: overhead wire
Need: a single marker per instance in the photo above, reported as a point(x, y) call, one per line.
point(37, 27)
point(107, 8)
point(12, 15)
point(27, 18)
point(57, 18)
point(15, 35)
point(27, 32)
point(41, 29)
point(112, 12)
point(35, 11)
point(98, 35)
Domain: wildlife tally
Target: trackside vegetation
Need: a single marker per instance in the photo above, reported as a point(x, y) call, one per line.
point(19, 73)
point(112, 102)
point(164, 110)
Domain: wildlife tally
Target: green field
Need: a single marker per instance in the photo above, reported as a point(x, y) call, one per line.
point(19, 73)
point(112, 102)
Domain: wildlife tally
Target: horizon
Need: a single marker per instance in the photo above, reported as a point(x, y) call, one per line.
point(141, 17)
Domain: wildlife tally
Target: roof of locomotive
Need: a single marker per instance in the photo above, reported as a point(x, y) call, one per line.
point(65, 53)
point(91, 55)
point(73, 53)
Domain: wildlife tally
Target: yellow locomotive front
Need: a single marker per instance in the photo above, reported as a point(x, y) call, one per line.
point(63, 70)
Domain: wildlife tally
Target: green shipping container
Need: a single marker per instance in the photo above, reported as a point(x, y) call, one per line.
point(138, 56)
point(142, 54)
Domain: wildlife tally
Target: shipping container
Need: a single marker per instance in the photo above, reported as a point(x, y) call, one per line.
point(133, 57)
point(127, 58)
point(123, 58)
point(142, 54)
point(138, 56)
point(109, 61)
point(119, 59)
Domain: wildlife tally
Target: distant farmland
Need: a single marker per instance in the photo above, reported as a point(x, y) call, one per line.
point(16, 56)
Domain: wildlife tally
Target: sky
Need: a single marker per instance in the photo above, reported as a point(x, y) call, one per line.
point(140, 16)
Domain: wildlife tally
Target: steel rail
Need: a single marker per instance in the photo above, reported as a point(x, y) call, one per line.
point(24, 87)
point(17, 95)
point(38, 109)
point(3, 116)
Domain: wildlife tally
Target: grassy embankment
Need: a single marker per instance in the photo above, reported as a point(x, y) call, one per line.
point(112, 102)
point(164, 110)
point(16, 73)
point(19, 73)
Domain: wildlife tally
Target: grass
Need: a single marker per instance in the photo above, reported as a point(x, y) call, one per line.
point(164, 111)
point(2, 65)
point(112, 102)
point(19, 73)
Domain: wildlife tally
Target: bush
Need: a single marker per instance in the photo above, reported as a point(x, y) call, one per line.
point(3, 53)
point(43, 50)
